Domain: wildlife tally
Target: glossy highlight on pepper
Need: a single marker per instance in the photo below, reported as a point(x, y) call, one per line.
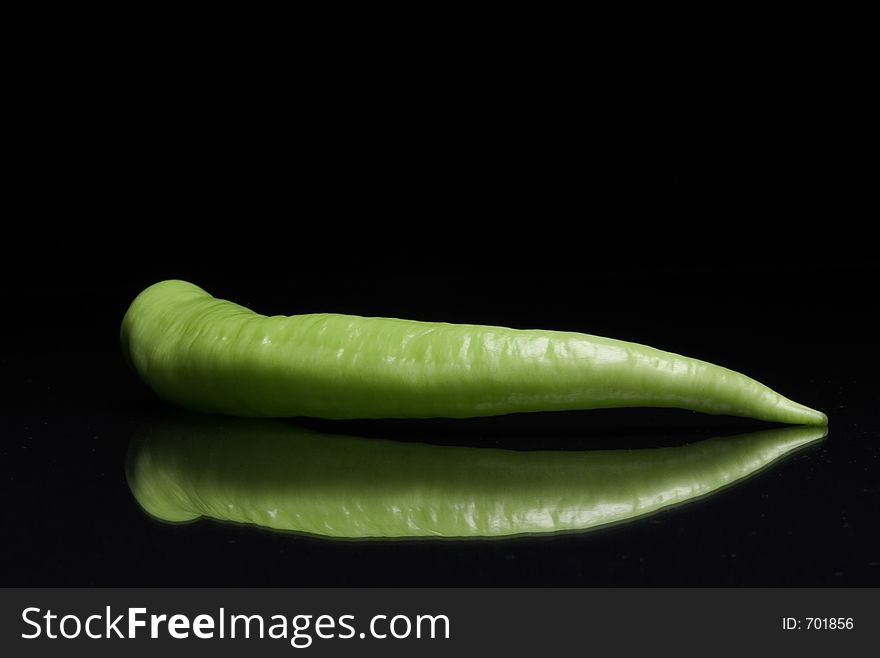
point(212, 355)
point(281, 476)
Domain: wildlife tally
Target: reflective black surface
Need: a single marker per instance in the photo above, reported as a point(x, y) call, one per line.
point(70, 408)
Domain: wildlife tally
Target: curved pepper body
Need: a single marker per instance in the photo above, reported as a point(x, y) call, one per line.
point(212, 355)
point(280, 476)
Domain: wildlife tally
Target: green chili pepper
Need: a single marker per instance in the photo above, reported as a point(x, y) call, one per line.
point(280, 476)
point(212, 355)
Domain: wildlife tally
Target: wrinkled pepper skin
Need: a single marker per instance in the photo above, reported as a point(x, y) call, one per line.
point(212, 355)
point(280, 476)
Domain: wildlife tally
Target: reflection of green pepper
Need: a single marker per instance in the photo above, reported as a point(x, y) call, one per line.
point(213, 355)
point(277, 475)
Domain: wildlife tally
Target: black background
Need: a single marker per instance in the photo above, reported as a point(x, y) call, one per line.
point(717, 215)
